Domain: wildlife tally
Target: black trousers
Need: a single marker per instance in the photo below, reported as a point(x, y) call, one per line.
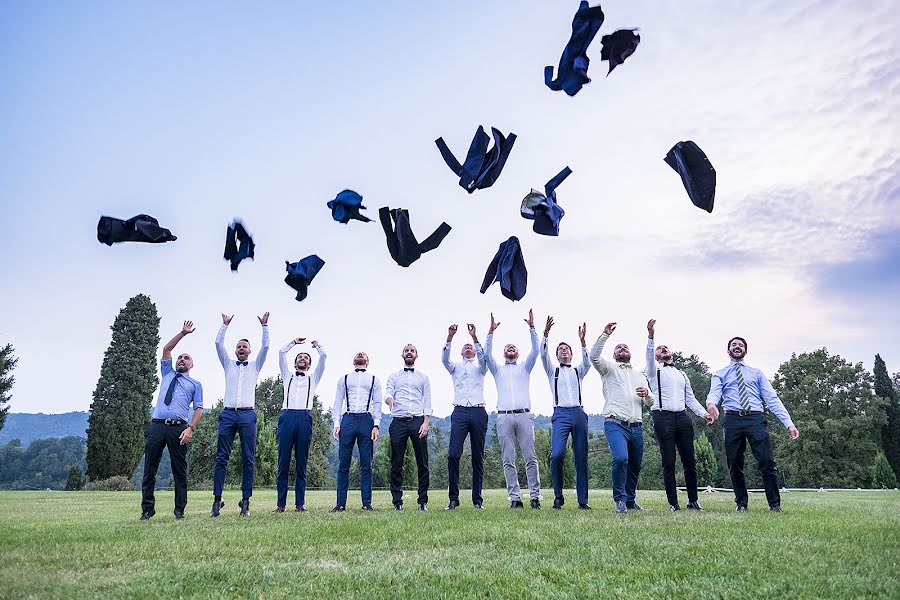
point(401, 430)
point(471, 421)
point(156, 437)
point(754, 429)
point(674, 430)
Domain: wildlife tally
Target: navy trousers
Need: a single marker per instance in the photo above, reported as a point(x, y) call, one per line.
point(231, 423)
point(294, 436)
point(158, 436)
point(738, 431)
point(356, 429)
point(569, 420)
point(626, 444)
point(471, 421)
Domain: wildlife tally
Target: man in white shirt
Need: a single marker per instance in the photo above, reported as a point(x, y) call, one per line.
point(671, 423)
point(514, 419)
point(624, 388)
point(356, 415)
point(239, 414)
point(295, 420)
point(568, 415)
point(408, 393)
point(469, 416)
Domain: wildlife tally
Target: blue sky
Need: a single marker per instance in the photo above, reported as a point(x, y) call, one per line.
point(200, 113)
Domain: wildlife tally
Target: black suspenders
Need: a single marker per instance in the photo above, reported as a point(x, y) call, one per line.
point(556, 387)
point(659, 387)
point(347, 394)
point(308, 392)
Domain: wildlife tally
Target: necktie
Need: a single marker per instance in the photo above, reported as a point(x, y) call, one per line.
point(241, 363)
point(742, 387)
point(408, 369)
point(360, 370)
point(171, 389)
point(300, 374)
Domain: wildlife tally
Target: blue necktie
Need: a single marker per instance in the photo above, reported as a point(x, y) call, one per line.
point(241, 362)
point(742, 387)
point(171, 389)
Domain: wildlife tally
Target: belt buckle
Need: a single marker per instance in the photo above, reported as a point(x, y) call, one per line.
point(744, 413)
point(169, 421)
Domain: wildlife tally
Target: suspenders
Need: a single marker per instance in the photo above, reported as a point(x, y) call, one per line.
point(347, 394)
point(659, 385)
point(308, 392)
point(556, 387)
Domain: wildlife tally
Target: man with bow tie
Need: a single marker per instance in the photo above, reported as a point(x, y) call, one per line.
point(624, 388)
point(408, 393)
point(671, 423)
point(469, 416)
point(239, 414)
point(568, 415)
point(357, 416)
point(295, 421)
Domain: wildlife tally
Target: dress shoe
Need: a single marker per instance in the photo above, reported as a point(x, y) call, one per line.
point(584, 506)
point(478, 505)
point(516, 504)
point(300, 508)
point(694, 506)
point(558, 502)
point(535, 503)
point(244, 503)
point(216, 507)
point(337, 509)
point(398, 506)
point(179, 515)
point(368, 507)
point(620, 507)
point(633, 506)
point(775, 508)
point(423, 507)
point(740, 508)
point(145, 516)
point(453, 504)
point(279, 509)
point(675, 507)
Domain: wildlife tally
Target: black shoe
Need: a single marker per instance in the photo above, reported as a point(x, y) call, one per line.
point(398, 506)
point(695, 505)
point(675, 507)
point(145, 516)
point(516, 504)
point(278, 509)
point(584, 506)
point(245, 507)
point(740, 508)
point(179, 515)
point(423, 507)
point(217, 505)
point(633, 506)
point(453, 504)
point(479, 506)
point(300, 508)
point(368, 507)
point(775, 508)
point(535, 503)
point(620, 507)
point(558, 502)
point(337, 509)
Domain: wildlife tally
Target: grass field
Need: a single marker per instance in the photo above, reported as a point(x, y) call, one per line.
point(90, 544)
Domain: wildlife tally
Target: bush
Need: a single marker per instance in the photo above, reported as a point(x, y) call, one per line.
point(119, 483)
point(883, 475)
point(75, 482)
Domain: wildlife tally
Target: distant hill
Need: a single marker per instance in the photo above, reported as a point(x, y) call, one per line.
point(28, 427)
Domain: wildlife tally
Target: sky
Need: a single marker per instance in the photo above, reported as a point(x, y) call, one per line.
point(201, 112)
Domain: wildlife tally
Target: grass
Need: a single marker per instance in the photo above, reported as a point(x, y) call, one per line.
point(91, 544)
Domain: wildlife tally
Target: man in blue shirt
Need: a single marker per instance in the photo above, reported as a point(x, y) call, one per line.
point(744, 392)
point(169, 427)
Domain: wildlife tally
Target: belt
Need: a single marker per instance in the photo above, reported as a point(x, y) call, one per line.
point(407, 418)
point(241, 409)
point(624, 422)
point(671, 412)
point(297, 410)
point(743, 413)
point(169, 421)
point(517, 411)
point(473, 406)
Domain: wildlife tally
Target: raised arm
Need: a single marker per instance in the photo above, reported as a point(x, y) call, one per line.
point(220, 339)
point(264, 347)
point(601, 364)
point(320, 368)
point(545, 351)
point(445, 354)
point(282, 357)
point(585, 367)
point(489, 347)
point(187, 329)
point(531, 359)
point(479, 351)
point(651, 358)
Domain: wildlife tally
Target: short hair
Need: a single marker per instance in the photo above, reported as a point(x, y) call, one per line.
point(737, 337)
point(308, 357)
point(244, 340)
point(563, 344)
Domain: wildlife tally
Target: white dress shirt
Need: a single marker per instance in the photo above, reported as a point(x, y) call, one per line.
point(361, 394)
point(676, 392)
point(619, 383)
point(299, 390)
point(512, 379)
point(468, 377)
point(240, 379)
point(565, 380)
point(411, 391)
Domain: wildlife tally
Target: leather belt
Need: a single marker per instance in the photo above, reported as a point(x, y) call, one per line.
point(743, 413)
point(624, 422)
point(169, 421)
point(240, 409)
point(517, 411)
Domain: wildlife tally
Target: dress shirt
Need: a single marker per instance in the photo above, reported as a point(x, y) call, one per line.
point(724, 389)
point(299, 390)
point(676, 390)
point(468, 377)
point(512, 379)
point(240, 379)
point(411, 392)
point(187, 392)
point(619, 383)
point(567, 390)
point(362, 394)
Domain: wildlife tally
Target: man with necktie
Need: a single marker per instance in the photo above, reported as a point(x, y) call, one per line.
point(357, 416)
point(408, 393)
point(295, 420)
point(744, 392)
point(671, 423)
point(624, 388)
point(169, 427)
point(514, 419)
point(568, 415)
point(239, 414)
point(469, 416)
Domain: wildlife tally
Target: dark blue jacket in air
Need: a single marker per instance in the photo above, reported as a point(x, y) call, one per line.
point(573, 64)
point(401, 242)
point(301, 273)
point(508, 267)
point(482, 167)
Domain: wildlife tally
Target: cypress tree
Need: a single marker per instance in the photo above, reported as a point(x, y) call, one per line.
point(7, 364)
point(120, 407)
point(890, 433)
point(706, 460)
point(75, 482)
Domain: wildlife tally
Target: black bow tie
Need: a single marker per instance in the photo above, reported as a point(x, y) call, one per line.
point(360, 370)
point(301, 374)
point(669, 365)
point(408, 369)
point(570, 366)
point(241, 362)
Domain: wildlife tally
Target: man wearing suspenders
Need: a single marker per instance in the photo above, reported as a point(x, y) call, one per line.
point(295, 420)
point(671, 423)
point(357, 416)
point(568, 415)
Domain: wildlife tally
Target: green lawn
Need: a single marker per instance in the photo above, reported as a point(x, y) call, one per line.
point(89, 544)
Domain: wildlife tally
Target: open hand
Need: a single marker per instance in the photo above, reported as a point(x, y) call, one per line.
point(188, 327)
point(582, 333)
point(610, 327)
point(547, 326)
point(264, 319)
point(226, 319)
point(651, 326)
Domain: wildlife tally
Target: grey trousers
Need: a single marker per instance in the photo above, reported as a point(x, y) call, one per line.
point(509, 429)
